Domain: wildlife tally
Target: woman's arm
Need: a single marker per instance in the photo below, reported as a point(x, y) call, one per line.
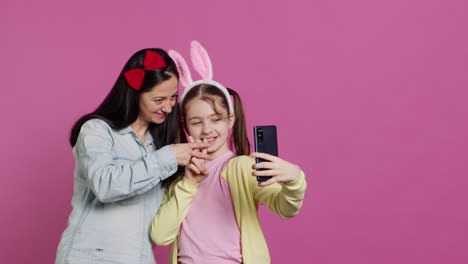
point(111, 182)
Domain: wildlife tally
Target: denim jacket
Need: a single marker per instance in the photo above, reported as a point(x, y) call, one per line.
point(117, 192)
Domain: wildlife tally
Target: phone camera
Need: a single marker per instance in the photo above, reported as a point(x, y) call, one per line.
point(260, 135)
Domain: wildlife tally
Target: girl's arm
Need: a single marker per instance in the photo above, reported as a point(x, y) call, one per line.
point(166, 224)
point(286, 199)
point(111, 182)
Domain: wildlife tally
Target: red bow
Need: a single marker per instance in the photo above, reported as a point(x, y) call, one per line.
point(152, 61)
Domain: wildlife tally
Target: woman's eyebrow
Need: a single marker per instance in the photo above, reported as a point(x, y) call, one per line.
point(163, 97)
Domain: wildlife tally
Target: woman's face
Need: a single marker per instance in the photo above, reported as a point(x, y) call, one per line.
point(158, 102)
point(204, 124)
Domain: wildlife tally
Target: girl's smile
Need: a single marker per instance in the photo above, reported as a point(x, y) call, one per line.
point(210, 141)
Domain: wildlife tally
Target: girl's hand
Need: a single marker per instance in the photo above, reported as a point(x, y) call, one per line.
point(279, 169)
point(185, 151)
point(196, 171)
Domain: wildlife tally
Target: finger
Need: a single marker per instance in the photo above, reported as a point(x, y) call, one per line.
point(271, 173)
point(193, 168)
point(264, 156)
point(263, 165)
point(198, 162)
point(193, 144)
point(269, 182)
point(184, 161)
point(198, 145)
point(205, 150)
point(200, 155)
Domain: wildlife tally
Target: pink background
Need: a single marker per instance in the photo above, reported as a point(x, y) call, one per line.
point(369, 98)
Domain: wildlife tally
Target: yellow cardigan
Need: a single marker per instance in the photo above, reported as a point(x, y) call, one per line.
point(285, 200)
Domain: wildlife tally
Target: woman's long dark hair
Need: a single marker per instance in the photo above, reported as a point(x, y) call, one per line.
point(120, 108)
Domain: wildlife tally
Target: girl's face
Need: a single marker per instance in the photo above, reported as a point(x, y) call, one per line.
point(158, 102)
point(203, 123)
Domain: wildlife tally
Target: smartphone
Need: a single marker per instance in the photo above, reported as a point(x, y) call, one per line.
point(265, 142)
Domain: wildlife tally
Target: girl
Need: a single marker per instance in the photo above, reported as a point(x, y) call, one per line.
point(210, 214)
point(123, 151)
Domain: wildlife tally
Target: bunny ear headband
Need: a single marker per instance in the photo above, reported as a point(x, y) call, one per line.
point(202, 64)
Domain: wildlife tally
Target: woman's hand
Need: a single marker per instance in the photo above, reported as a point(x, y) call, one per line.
point(279, 169)
point(185, 151)
point(196, 171)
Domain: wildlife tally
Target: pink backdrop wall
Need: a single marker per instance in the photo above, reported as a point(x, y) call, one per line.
point(369, 98)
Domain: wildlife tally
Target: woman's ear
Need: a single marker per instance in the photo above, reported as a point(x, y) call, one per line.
point(232, 119)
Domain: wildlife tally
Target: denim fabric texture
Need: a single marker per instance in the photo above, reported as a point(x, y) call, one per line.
point(117, 192)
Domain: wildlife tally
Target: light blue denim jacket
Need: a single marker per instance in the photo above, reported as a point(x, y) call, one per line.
point(117, 192)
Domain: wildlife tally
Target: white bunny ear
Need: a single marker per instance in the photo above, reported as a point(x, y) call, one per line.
point(201, 61)
point(182, 68)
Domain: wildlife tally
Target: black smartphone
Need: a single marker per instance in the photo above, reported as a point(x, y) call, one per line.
point(265, 142)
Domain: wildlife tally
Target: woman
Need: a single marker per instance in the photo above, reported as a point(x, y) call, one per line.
point(124, 150)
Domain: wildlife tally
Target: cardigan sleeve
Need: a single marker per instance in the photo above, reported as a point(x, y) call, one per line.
point(166, 224)
point(111, 182)
point(283, 199)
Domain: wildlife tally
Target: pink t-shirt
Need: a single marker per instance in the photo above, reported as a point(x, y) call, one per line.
point(209, 232)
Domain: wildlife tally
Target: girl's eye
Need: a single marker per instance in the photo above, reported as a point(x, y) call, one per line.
point(174, 97)
point(158, 101)
point(195, 123)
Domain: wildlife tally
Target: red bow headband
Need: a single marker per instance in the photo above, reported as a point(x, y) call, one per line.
point(152, 61)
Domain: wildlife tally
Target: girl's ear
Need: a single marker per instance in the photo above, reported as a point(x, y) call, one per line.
point(232, 120)
point(182, 68)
